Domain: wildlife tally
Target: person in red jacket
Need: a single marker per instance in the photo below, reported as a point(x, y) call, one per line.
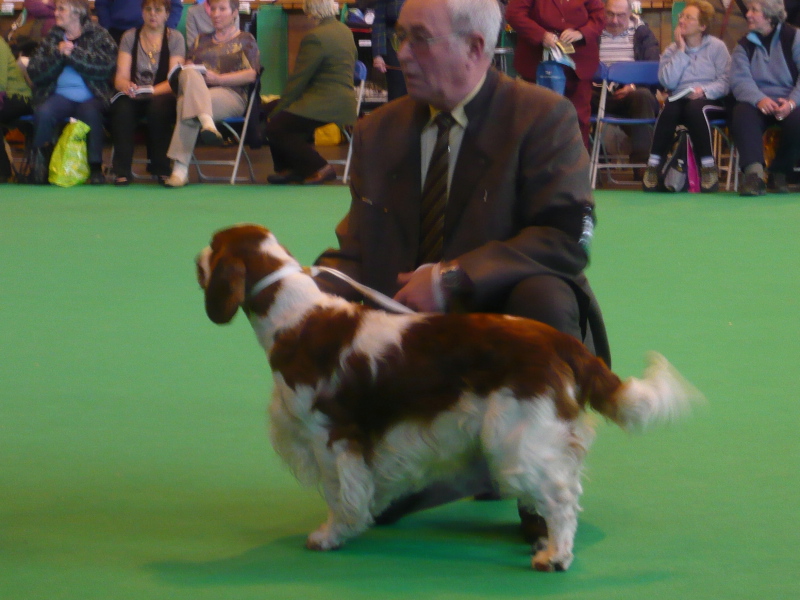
point(541, 24)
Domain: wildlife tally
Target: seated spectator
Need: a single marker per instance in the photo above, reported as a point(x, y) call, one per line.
point(232, 62)
point(117, 16)
point(40, 18)
point(71, 74)
point(765, 83)
point(44, 11)
point(198, 20)
point(696, 64)
point(627, 38)
point(319, 91)
point(15, 100)
point(542, 24)
point(146, 56)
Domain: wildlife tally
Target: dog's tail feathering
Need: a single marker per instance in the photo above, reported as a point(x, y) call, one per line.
point(662, 395)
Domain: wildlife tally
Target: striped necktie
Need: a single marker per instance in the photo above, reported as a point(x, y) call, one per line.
point(434, 193)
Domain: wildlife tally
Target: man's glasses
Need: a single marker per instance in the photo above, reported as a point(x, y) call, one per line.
point(416, 41)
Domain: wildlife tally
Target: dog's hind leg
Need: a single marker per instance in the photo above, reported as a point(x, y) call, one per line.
point(536, 456)
point(557, 497)
point(348, 488)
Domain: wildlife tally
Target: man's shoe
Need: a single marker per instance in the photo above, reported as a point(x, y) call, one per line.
point(211, 137)
point(176, 181)
point(326, 173)
point(709, 179)
point(777, 183)
point(753, 185)
point(650, 179)
point(283, 177)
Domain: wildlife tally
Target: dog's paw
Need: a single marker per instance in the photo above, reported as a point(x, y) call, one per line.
point(544, 560)
point(322, 539)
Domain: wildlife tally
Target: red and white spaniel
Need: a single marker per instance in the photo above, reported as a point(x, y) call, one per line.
point(372, 406)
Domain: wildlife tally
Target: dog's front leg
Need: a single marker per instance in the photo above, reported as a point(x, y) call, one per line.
point(348, 487)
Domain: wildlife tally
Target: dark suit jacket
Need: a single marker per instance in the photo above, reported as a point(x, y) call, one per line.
point(531, 19)
point(519, 192)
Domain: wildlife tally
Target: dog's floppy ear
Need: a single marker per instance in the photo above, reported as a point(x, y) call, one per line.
point(225, 289)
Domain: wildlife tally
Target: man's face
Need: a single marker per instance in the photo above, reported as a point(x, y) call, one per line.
point(433, 57)
point(618, 15)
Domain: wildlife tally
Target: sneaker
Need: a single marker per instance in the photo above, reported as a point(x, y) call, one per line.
point(650, 179)
point(176, 181)
point(752, 185)
point(709, 179)
point(777, 183)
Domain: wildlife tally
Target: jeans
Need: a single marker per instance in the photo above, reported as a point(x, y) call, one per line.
point(56, 109)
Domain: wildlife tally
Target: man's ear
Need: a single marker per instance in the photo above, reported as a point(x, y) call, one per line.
point(476, 45)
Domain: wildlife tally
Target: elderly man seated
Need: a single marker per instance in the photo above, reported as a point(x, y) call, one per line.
point(627, 38)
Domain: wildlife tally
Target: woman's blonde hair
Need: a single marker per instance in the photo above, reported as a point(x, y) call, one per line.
point(320, 9)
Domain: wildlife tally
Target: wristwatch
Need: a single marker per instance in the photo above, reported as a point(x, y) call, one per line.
point(454, 281)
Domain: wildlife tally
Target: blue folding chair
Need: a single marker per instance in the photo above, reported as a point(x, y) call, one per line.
point(229, 125)
point(644, 73)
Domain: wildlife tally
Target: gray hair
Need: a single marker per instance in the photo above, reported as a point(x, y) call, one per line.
point(80, 8)
point(774, 10)
point(479, 16)
point(320, 9)
point(629, 3)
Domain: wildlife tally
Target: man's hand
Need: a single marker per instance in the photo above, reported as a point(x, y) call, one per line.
point(623, 92)
point(417, 291)
point(768, 106)
point(379, 64)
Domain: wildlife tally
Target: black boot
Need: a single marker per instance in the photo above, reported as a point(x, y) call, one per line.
point(39, 165)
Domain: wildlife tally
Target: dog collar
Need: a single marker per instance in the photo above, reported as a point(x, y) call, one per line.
point(274, 277)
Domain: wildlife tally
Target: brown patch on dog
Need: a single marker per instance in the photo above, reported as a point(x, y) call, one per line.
point(439, 359)
point(310, 352)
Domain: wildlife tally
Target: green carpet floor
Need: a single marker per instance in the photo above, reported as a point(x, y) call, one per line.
point(134, 462)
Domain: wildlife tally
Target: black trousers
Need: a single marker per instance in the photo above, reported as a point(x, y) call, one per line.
point(159, 115)
point(638, 104)
point(749, 125)
point(13, 107)
point(695, 116)
point(291, 141)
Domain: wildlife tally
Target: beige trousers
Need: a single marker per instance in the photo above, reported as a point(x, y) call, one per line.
point(196, 98)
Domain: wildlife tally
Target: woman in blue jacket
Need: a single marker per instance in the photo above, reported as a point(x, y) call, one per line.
point(765, 83)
